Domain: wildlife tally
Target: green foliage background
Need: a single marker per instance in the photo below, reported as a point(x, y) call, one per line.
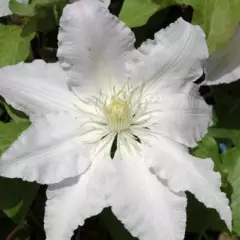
point(31, 32)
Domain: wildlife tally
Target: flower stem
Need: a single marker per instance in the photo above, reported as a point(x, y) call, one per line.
point(14, 231)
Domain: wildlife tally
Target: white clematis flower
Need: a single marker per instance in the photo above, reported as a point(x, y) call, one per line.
point(4, 7)
point(223, 66)
point(111, 125)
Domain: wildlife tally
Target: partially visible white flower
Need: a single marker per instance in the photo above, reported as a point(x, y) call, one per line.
point(4, 7)
point(223, 66)
point(111, 126)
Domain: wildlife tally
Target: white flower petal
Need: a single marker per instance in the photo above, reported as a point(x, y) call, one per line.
point(168, 67)
point(173, 59)
point(47, 152)
point(73, 200)
point(171, 161)
point(106, 2)
point(36, 88)
point(147, 208)
point(223, 66)
point(4, 7)
point(182, 117)
point(93, 44)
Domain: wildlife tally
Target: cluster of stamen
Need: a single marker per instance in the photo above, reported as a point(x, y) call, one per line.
point(118, 114)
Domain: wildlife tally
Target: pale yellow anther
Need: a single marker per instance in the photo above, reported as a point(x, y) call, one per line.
point(118, 114)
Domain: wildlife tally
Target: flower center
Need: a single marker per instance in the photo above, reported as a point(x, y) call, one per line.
point(118, 114)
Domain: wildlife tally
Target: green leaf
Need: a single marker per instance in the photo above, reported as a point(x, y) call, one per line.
point(231, 162)
point(48, 13)
point(208, 148)
point(45, 19)
point(44, 2)
point(30, 10)
point(16, 116)
point(137, 12)
point(10, 132)
point(14, 44)
point(21, 9)
point(218, 18)
point(13, 211)
point(16, 197)
point(232, 134)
